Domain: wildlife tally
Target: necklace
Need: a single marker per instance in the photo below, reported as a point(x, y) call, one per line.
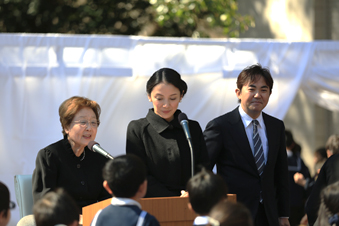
point(83, 156)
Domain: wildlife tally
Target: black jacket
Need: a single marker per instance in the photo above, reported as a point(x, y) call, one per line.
point(298, 194)
point(229, 149)
point(165, 151)
point(328, 174)
point(58, 166)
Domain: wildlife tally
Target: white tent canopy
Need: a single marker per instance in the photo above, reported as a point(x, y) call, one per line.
point(39, 71)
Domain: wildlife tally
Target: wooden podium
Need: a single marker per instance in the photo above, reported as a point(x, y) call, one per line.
point(169, 211)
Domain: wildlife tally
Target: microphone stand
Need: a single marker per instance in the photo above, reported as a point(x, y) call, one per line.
point(192, 157)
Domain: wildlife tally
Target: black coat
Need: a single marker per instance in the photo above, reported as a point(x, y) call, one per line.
point(164, 149)
point(298, 194)
point(228, 147)
point(328, 174)
point(58, 166)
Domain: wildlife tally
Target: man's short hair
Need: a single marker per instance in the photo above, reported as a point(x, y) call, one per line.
point(205, 189)
point(124, 175)
point(251, 73)
point(56, 207)
point(332, 143)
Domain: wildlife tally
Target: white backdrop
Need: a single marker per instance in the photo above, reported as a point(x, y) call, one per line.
point(39, 71)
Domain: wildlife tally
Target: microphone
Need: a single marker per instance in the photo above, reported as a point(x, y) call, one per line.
point(95, 147)
point(182, 117)
point(184, 123)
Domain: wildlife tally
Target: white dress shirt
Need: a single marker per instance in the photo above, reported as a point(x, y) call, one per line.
point(247, 121)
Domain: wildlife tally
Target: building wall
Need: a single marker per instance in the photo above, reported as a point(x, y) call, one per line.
point(302, 20)
point(279, 19)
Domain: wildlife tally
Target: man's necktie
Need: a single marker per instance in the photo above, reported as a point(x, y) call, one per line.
point(258, 150)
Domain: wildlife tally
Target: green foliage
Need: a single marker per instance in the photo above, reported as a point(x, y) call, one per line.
point(74, 16)
point(190, 18)
point(197, 17)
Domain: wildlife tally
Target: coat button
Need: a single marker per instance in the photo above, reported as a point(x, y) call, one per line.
point(82, 182)
point(78, 166)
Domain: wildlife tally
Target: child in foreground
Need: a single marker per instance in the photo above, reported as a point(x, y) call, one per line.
point(125, 178)
point(205, 190)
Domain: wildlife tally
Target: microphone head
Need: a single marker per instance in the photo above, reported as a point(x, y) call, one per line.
point(91, 144)
point(182, 116)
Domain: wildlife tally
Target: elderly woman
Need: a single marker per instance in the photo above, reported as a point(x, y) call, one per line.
point(69, 163)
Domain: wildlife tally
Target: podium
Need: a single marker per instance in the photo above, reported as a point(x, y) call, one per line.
point(169, 211)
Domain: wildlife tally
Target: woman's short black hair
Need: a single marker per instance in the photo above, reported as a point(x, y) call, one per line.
point(166, 75)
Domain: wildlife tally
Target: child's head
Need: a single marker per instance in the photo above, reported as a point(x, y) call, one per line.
point(56, 207)
point(124, 176)
point(229, 213)
point(5, 213)
point(329, 206)
point(205, 190)
point(320, 155)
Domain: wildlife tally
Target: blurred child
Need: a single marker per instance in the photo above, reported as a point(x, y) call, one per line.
point(328, 214)
point(5, 205)
point(125, 179)
point(56, 207)
point(205, 190)
point(229, 213)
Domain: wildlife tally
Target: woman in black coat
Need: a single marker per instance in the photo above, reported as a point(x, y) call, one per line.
point(159, 140)
point(68, 163)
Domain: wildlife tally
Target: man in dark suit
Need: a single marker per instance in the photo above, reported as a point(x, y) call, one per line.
point(248, 147)
point(328, 174)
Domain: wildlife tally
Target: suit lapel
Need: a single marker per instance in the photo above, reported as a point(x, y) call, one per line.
point(240, 137)
point(271, 134)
